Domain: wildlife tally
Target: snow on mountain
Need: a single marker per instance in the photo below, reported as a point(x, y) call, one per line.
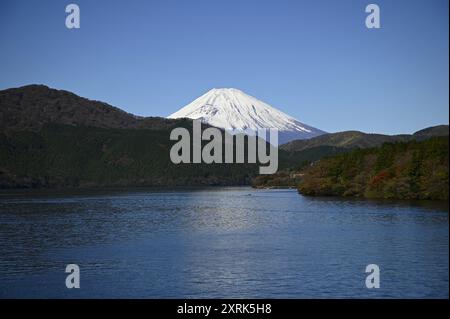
point(235, 110)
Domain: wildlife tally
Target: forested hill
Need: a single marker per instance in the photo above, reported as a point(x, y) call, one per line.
point(61, 156)
point(404, 170)
point(54, 138)
point(31, 107)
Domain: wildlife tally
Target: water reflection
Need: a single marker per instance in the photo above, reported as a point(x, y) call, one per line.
point(223, 242)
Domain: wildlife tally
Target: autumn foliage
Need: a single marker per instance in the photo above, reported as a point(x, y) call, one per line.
point(404, 170)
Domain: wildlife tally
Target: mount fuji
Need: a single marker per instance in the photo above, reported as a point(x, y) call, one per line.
point(234, 110)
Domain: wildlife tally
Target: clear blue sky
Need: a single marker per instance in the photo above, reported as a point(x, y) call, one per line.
point(314, 60)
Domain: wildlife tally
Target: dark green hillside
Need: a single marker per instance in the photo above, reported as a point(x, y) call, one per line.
point(408, 170)
point(67, 156)
point(290, 163)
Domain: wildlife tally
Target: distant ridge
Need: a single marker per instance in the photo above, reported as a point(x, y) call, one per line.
point(356, 139)
point(439, 130)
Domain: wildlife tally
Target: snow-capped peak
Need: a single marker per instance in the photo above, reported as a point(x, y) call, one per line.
point(232, 109)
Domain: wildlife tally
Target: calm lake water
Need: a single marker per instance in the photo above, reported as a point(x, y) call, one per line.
point(219, 243)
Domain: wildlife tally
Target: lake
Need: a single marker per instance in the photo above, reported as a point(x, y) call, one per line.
point(234, 242)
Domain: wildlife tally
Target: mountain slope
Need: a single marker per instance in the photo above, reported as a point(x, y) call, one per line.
point(232, 109)
point(356, 139)
point(439, 130)
point(31, 107)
